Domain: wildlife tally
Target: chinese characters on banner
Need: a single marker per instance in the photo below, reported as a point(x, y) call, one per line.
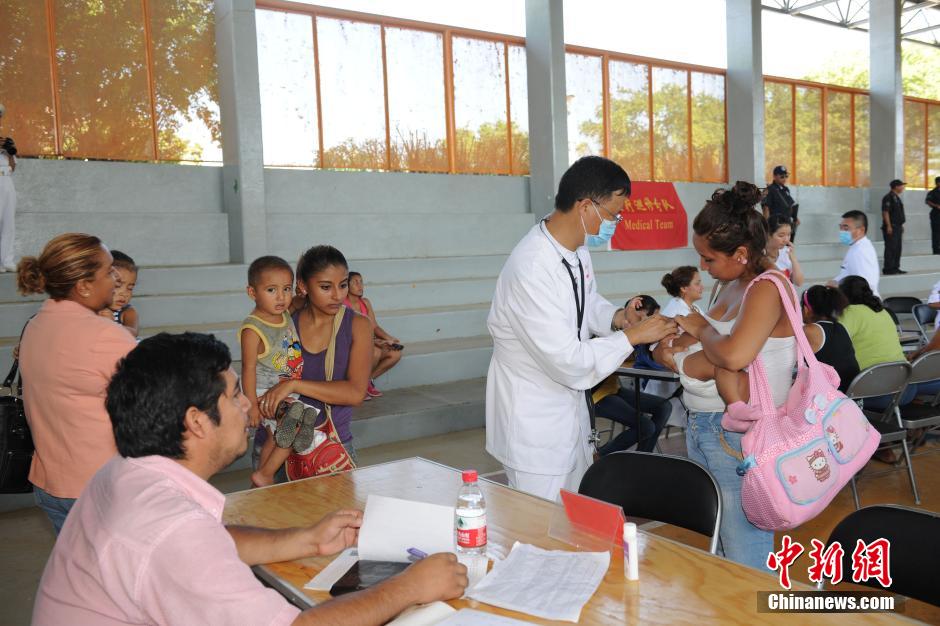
point(653, 219)
point(869, 560)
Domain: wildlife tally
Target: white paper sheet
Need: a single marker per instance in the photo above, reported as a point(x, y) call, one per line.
point(424, 615)
point(390, 526)
point(328, 576)
point(472, 617)
point(553, 584)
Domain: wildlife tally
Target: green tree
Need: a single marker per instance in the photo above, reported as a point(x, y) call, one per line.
point(920, 65)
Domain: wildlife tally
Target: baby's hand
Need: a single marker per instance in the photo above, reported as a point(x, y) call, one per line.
point(105, 313)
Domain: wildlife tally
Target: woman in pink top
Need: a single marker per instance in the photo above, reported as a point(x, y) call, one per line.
point(67, 356)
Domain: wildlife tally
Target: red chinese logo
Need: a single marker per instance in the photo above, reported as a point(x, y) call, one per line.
point(869, 561)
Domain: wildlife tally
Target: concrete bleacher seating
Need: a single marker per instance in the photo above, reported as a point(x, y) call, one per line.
point(430, 265)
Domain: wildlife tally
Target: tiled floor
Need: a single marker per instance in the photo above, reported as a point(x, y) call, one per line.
point(27, 535)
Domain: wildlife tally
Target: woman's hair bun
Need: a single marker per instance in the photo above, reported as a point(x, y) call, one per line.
point(29, 277)
point(738, 199)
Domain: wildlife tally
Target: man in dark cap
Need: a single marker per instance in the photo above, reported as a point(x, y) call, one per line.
point(778, 200)
point(933, 201)
point(892, 225)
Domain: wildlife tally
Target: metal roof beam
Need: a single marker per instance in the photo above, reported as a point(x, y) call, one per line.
point(918, 31)
point(920, 5)
point(811, 5)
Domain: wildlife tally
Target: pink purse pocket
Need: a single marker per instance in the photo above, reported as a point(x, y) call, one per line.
point(809, 472)
point(846, 429)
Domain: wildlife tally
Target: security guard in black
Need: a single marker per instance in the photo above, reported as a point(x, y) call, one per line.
point(892, 215)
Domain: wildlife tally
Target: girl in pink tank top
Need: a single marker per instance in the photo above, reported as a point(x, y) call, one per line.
point(386, 351)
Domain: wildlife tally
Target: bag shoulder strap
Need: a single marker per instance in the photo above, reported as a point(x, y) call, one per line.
point(789, 306)
point(330, 358)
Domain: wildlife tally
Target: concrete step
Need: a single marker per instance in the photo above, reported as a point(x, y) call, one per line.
point(404, 235)
point(151, 238)
point(421, 411)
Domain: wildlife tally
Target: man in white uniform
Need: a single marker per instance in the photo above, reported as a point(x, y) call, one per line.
point(545, 311)
point(7, 200)
point(861, 259)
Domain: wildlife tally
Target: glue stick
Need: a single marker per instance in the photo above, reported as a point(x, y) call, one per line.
point(631, 557)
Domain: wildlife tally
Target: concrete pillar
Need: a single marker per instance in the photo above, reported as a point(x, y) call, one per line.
point(745, 92)
point(887, 106)
point(548, 128)
point(240, 116)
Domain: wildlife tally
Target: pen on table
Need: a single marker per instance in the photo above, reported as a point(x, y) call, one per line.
point(416, 555)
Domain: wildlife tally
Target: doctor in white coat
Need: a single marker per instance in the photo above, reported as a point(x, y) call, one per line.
point(545, 311)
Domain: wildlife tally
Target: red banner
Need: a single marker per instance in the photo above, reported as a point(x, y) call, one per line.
point(653, 219)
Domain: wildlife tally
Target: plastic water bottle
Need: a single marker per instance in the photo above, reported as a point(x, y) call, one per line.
point(470, 523)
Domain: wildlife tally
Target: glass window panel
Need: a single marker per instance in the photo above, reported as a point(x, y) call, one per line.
point(352, 94)
point(839, 139)
point(584, 86)
point(288, 89)
point(808, 165)
point(482, 143)
point(104, 96)
point(670, 124)
point(185, 80)
point(417, 119)
point(933, 148)
point(862, 141)
point(914, 166)
point(519, 109)
point(778, 127)
point(708, 127)
point(24, 62)
point(629, 118)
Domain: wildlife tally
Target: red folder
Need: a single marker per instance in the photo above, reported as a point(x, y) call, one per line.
point(594, 516)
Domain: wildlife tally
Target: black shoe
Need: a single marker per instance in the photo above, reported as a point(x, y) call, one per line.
point(901, 272)
point(890, 272)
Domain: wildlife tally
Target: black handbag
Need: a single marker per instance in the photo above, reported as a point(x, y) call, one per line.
point(16, 442)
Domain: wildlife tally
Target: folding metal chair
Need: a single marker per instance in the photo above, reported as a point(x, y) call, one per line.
point(683, 493)
point(924, 316)
point(923, 370)
point(885, 379)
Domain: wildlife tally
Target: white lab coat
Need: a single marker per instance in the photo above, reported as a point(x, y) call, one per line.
point(536, 415)
point(861, 260)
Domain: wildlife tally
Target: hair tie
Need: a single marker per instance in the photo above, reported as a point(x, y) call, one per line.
point(806, 300)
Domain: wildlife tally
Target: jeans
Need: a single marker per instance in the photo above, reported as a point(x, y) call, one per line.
point(639, 428)
point(56, 509)
point(712, 446)
point(879, 403)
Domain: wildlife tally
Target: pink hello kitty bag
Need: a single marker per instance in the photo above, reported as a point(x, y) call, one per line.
point(799, 456)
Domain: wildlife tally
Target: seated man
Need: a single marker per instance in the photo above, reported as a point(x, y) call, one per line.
point(145, 543)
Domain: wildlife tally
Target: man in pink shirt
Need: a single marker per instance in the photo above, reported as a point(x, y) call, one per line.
point(145, 543)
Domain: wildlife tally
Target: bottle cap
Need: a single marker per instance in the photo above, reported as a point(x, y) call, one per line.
point(469, 476)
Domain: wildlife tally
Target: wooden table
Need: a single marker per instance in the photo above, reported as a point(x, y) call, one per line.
point(678, 584)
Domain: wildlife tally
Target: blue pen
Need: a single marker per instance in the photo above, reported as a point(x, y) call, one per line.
point(417, 554)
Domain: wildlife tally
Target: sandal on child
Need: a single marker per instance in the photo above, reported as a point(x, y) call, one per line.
point(287, 428)
point(307, 429)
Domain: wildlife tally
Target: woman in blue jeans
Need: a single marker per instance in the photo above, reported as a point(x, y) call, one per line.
point(730, 237)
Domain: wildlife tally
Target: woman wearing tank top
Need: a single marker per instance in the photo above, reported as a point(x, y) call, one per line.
point(828, 338)
point(730, 237)
point(324, 273)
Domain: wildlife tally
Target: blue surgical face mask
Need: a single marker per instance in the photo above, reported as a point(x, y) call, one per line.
point(604, 234)
point(845, 238)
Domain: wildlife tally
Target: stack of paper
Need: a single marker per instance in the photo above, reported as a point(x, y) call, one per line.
point(553, 584)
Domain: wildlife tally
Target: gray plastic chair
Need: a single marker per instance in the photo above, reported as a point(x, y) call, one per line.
point(924, 316)
point(885, 379)
point(925, 369)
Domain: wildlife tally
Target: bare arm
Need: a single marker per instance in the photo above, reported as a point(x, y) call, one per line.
point(438, 577)
point(251, 347)
point(758, 316)
point(332, 534)
point(348, 392)
point(378, 330)
point(131, 321)
point(796, 275)
point(815, 336)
